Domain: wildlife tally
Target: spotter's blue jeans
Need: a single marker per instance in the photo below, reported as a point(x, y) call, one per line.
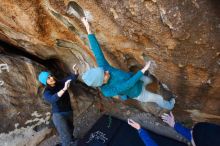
point(64, 124)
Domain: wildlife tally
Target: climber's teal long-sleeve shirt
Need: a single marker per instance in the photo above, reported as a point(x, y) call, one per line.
point(120, 82)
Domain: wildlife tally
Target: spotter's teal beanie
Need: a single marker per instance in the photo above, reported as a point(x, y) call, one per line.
point(43, 77)
point(94, 77)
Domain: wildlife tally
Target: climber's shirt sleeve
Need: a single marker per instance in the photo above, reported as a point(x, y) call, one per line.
point(129, 83)
point(72, 77)
point(116, 89)
point(49, 97)
point(96, 49)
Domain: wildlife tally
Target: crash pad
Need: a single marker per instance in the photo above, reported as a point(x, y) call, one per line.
point(110, 131)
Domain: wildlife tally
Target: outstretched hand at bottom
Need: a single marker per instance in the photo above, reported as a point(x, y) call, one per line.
point(169, 119)
point(134, 124)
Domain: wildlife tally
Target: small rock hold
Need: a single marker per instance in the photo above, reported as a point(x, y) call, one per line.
point(128, 112)
point(180, 65)
point(114, 13)
point(195, 4)
point(218, 62)
point(1, 83)
point(16, 125)
point(209, 81)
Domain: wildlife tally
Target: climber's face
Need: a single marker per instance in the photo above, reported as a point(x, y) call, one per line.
point(106, 77)
point(51, 80)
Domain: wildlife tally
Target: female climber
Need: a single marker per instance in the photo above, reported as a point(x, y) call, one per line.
point(115, 82)
point(57, 95)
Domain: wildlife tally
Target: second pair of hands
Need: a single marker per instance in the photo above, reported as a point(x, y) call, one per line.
point(167, 118)
point(67, 83)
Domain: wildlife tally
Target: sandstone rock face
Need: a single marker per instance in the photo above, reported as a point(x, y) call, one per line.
point(20, 95)
point(25, 115)
point(181, 37)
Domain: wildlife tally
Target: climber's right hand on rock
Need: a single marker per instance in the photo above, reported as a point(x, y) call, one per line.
point(75, 69)
point(146, 67)
point(67, 84)
point(86, 23)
